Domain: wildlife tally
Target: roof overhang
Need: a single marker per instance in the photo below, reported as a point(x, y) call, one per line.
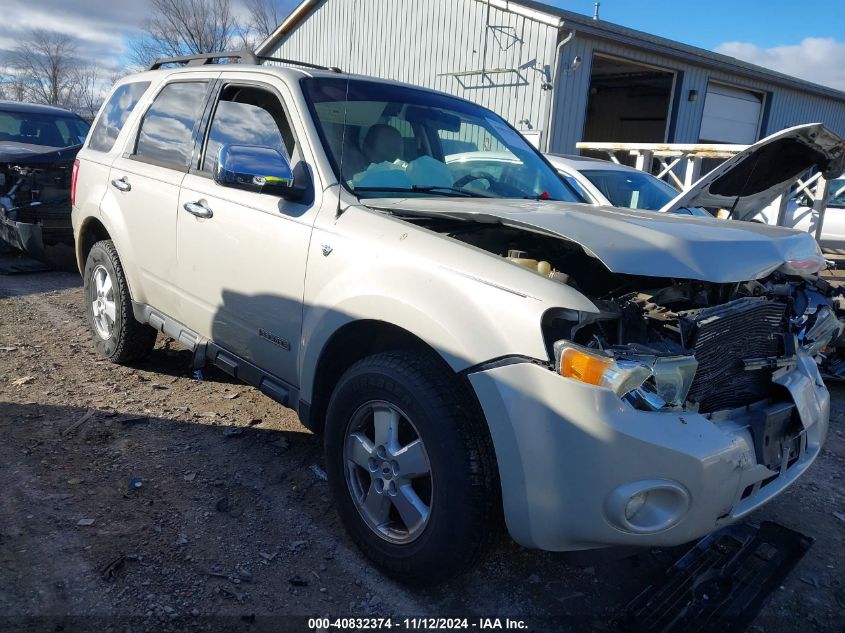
point(585, 25)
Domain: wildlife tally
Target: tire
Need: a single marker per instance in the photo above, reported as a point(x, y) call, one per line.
point(121, 339)
point(461, 489)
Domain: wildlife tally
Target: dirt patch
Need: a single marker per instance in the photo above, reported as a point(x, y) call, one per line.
point(141, 495)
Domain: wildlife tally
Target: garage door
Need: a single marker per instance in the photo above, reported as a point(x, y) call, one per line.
point(731, 115)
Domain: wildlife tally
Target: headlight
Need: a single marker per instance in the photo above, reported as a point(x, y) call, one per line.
point(649, 381)
point(824, 331)
point(597, 368)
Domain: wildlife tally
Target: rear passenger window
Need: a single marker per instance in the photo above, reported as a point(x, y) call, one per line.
point(167, 132)
point(115, 112)
point(246, 115)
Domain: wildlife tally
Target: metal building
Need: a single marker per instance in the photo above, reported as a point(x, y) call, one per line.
point(560, 77)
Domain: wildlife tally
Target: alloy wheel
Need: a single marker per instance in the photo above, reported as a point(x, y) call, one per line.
point(103, 306)
point(388, 472)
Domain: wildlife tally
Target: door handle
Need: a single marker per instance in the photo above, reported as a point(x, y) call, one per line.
point(198, 209)
point(121, 184)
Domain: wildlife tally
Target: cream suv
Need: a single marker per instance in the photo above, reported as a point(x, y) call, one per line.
point(471, 344)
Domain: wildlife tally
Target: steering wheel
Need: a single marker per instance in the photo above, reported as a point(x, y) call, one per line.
point(472, 177)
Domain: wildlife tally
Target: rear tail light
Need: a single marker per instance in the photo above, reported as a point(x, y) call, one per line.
point(73, 177)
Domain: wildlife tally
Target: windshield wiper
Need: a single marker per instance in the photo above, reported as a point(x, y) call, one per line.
point(434, 189)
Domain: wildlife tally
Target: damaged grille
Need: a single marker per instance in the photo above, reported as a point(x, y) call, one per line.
point(724, 336)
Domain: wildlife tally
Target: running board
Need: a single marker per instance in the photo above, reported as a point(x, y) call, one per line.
point(206, 352)
point(241, 369)
point(719, 586)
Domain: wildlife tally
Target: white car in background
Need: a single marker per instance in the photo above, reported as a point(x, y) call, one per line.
point(800, 215)
point(601, 182)
point(596, 182)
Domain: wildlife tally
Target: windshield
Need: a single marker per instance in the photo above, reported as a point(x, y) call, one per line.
point(38, 128)
point(389, 140)
point(635, 190)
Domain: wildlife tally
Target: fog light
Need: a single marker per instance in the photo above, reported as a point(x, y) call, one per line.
point(647, 507)
point(634, 504)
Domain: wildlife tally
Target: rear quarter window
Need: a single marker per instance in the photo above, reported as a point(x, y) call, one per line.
point(166, 134)
point(114, 115)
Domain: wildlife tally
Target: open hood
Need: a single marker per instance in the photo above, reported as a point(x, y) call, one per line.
point(748, 182)
point(646, 243)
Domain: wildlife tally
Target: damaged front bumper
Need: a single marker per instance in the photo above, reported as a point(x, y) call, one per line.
point(24, 236)
point(581, 469)
point(30, 237)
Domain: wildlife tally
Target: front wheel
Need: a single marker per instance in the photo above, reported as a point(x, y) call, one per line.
point(117, 335)
point(411, 467)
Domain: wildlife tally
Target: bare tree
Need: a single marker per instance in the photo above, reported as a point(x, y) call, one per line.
point(14, 86)
point(186, 27)
point(264, 17)
point(88, 91)
point(46, 61)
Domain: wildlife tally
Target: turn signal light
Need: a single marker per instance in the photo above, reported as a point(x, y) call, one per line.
point(599, 369)
point(582, 366)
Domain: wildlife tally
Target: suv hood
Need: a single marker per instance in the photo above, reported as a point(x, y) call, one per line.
point(646, 243)
point(751, 180)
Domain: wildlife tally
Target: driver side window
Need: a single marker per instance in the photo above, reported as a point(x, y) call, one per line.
point(246, 115)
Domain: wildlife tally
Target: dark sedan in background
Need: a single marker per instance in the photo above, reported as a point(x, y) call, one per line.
point(38, 145)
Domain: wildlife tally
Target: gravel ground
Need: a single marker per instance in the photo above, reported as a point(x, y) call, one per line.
point(232, 526)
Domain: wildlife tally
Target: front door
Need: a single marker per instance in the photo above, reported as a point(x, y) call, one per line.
point(242, 266)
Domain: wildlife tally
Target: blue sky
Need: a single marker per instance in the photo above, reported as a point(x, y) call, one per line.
point(802, 39)
point(709, 23)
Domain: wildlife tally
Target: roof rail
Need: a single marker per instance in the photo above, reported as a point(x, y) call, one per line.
point(266, 58)
point(243, 56)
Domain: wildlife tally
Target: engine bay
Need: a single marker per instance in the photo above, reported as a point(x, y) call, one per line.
point(711, 346)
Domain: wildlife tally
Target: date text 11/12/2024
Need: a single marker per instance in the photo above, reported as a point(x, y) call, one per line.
point(415, 624)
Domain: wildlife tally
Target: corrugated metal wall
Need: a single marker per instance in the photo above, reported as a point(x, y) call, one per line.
point(417, 41)
point(787, 108)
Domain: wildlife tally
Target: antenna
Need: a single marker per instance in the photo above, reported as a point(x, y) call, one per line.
point(596, 6)
point(338, 211)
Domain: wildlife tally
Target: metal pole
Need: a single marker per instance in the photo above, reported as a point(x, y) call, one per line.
point(820, 204)
point(692, 172)
point(644, 158)
point(783, 203)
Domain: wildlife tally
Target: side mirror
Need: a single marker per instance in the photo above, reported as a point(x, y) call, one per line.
point(256, 168)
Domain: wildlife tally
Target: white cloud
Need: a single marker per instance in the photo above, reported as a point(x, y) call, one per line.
point(815, 59)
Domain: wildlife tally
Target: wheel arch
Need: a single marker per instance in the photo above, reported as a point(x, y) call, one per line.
point(350, 343)
point(91, 232)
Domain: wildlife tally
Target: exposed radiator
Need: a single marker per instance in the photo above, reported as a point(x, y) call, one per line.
point(722, 338)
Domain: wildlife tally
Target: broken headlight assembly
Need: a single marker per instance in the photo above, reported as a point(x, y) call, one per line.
point(645, 381)
point(825, 330)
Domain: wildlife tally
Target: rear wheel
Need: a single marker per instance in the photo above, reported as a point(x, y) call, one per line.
point(117, 335)
point(411, 467)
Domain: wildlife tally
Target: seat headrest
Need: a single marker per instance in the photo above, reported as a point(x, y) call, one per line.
point(382, 143)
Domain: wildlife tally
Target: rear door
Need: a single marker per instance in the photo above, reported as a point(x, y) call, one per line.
point(242, 268)
point(96, 158)
point(145, 182)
